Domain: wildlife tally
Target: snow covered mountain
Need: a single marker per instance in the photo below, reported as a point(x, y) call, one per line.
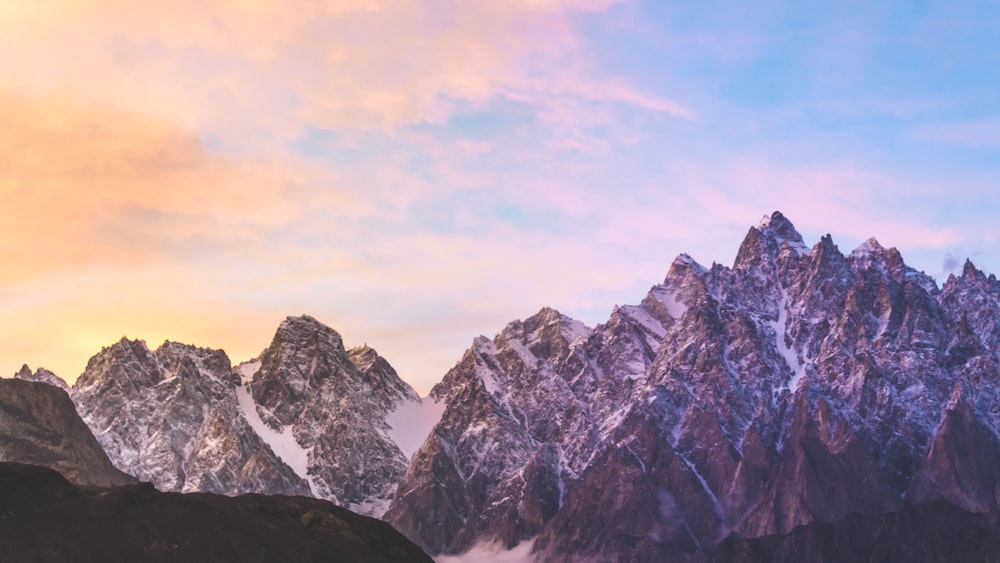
point(343, 419)
point(799, 385)
point(307, 418)
point(170, 417)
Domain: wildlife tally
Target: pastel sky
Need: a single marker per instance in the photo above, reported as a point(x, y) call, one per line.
point(418, 172)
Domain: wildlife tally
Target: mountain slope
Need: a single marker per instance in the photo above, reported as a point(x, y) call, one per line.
point(45, 518)
point(170, 417)
point(307, 418)
point(335, 405)
point(39, 425)
point(932, 532)
point(799, 385)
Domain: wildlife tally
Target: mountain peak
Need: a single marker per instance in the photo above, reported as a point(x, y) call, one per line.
point(301, 322)
point(775, 218)
point(969, 270)
point(685, 263)
point(766, 239)
point(41, 375)
point(872, 245)
point(778, 227)
point(304, 330)
point(570, 328)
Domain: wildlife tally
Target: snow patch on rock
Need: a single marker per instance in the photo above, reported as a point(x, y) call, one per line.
point(282, 443)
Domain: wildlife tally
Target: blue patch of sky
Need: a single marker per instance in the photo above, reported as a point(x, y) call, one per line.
point(814, 83)
point(480, 212)
point(344, 147)
point(830, 81)
point(482, 124)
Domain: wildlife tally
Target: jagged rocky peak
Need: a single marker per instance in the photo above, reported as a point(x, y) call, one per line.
point(307, 356)
point(764, 241)
point(799, 385)
point(867, 248)
point(171, 417)
point(969, 270)
point(684, 265)
point(971, 275)
point(303, 353)
point(338, 416)
point(41, 375)
point(971, 280)
point(185, 360)
point(872, 254)
point(546, 334)
point(682, 286)
point(378, 371)
point(127, 362)
point(305, 417)
point(130, 364)
point(778, 227)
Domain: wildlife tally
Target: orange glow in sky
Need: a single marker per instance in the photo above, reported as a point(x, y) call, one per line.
point(417, 173)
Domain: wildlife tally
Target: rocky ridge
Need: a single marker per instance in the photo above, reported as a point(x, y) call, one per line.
point(337, 405)
point(45, 518)
point(170, 417)
point(39, 425)
point(799, 385)
point(308, 417)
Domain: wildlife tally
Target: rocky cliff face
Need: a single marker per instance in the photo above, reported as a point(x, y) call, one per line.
point(171, 417)
point(306, 418)
point(38, 425)
point(799, 385)
point(335, 408)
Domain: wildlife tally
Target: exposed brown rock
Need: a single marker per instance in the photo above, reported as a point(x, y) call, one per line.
point(39, 425)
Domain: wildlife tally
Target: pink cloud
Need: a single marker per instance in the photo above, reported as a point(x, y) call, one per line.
point(361, 63)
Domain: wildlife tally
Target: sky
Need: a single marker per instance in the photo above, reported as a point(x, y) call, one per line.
point(415, 173)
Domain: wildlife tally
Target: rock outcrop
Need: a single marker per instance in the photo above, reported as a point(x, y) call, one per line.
point(40, 426)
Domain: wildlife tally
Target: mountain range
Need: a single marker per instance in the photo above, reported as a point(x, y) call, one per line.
point(65, 501)
point(800, 387)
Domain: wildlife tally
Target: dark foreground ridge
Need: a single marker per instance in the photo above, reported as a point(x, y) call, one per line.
point(43, 517)
point(935, 531)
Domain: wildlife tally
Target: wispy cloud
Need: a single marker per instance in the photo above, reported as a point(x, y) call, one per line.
point(85, 185)
point(350, 64)
point(416, 172)
point(983, 134)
